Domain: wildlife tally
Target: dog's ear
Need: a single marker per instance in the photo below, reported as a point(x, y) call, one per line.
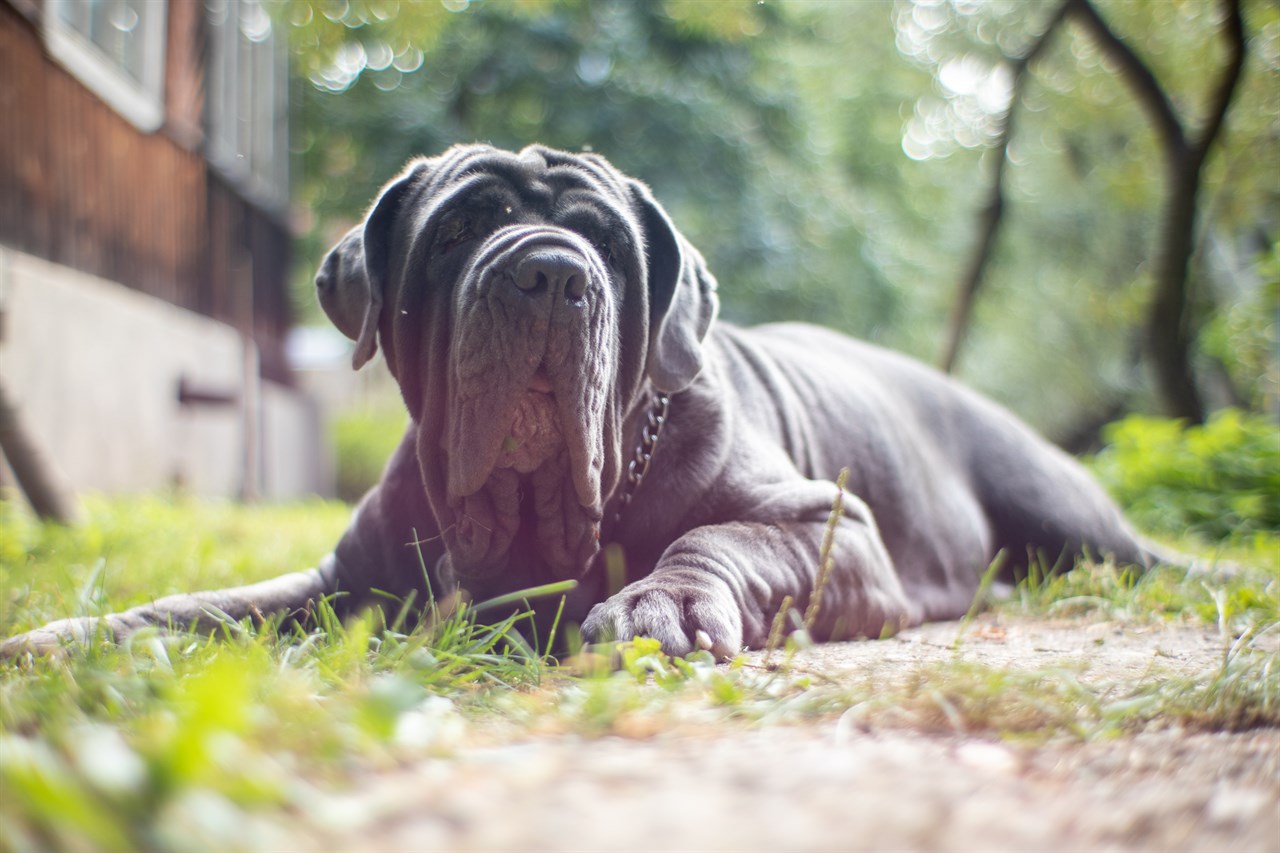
point(341, 284)
point(353, 276)
point(682, 298)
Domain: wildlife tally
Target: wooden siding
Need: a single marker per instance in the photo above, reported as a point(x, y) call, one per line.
point(80, 186)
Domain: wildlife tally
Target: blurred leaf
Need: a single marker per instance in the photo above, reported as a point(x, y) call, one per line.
point(778, 135)
point(1220, 481)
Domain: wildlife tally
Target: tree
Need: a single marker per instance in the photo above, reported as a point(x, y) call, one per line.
point(992, 214)
point(1169, 326)
point(667, 91)
point(829, 160)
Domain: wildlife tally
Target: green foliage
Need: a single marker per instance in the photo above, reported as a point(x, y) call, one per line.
point(1219, 481)
point(174, 742)
point(651, 85)
point(1237, 604)
point(829, 159)
point(1242, 694)
point(1244, 338)
point(134, 549)
point(363, 442)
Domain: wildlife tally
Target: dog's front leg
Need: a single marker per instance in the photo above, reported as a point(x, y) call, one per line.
point(719, 586)
point(292, 594)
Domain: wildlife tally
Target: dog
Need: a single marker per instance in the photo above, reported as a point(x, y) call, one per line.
point(574, 402)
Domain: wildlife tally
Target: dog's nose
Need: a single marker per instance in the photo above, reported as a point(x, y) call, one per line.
point(552, 272)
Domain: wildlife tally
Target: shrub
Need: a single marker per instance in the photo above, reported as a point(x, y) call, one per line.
point(363, 442)
point(1218, 481)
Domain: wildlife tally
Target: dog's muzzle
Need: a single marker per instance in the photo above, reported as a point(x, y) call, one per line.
point(530, 399)
point(540, 261)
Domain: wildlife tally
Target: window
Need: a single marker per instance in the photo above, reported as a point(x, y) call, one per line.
point(247, 106)
point(116, 49)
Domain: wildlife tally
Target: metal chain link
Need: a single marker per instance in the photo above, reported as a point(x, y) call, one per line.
point(643, 456)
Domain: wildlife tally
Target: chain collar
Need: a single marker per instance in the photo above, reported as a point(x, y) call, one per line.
point(643, 456)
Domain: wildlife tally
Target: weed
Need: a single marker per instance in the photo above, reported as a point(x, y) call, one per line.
point(826, 562)
point(169, 741)
point(1218, 481)
point(135, 746)
point(1247, 598)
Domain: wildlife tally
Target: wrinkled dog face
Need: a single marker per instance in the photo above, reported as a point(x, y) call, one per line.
point(525, 303)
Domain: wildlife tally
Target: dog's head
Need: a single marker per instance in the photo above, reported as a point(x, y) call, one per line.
point(526, 303)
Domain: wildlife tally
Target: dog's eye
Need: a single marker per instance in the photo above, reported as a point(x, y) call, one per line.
point(606, 250)
point(453, 233)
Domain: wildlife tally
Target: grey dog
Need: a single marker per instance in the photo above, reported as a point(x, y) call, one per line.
point(571, 396)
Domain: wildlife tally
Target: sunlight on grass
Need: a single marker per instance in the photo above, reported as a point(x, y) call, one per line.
point(174, 742)
point(1241, 599)
point(146, 547)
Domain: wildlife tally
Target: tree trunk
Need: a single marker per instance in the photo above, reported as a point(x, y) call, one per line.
point(1169, 337)
point(989, 228)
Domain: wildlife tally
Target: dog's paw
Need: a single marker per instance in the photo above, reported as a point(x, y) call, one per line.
point(682, 618)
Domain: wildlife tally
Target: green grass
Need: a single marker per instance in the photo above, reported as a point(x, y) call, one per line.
point(158, 743)
point(1236, 602)
point(135, 549)
point(182, 743)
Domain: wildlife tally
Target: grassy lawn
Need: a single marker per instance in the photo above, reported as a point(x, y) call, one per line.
point(180, 743)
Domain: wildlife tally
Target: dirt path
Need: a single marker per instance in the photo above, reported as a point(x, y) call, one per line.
point(848, 783)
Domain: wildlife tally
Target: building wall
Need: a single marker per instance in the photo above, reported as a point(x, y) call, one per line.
point(296, 456)
point(84, 188)
point(130, 263)
point(94, 369)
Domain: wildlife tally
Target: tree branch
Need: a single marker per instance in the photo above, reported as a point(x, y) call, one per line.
point(1146, 88)
point(1225, 90)
point(993, 211)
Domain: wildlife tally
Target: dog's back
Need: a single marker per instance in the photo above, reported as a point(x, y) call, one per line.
point(950, 475)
